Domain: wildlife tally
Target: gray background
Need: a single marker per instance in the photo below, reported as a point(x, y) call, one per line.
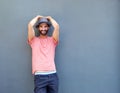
point(88, 55)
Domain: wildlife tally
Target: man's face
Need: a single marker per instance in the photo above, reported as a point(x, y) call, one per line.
point(43, 28)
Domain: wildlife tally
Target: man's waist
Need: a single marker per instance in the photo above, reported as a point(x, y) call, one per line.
point(44, 72)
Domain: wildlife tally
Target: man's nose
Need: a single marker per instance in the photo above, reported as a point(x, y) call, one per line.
point(44, 28)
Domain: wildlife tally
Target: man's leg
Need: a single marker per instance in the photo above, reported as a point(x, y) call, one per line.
point(53, 84)
point(40, 82)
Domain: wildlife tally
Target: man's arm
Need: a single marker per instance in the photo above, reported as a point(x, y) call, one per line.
point(31, 32)
point(55, 34)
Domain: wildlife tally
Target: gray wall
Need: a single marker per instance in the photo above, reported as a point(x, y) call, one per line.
point(87, 57)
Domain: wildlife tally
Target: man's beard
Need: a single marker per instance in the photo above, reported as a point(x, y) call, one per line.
point(43, 32)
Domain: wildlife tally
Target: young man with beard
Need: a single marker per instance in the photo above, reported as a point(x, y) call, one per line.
point(43, 53)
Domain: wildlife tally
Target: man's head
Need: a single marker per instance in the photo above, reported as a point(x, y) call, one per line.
point(43, 26)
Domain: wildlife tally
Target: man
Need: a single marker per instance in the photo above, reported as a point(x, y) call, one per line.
point(43, 53)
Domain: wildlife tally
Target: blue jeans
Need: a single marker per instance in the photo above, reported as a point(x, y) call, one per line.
point(46, 83)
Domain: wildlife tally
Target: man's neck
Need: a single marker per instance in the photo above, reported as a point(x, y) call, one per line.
point(42, 36)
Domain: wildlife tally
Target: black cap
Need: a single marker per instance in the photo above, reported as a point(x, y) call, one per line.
point(43, 20)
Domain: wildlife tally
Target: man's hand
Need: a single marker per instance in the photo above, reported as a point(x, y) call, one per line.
point(34, 20)
point(49, 18)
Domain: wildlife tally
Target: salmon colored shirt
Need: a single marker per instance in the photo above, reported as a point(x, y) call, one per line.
point(43, 53)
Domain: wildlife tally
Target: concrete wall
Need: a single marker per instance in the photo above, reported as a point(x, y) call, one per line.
point(87, 57)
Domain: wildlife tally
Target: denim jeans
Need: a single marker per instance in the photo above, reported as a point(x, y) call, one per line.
point(46, 83)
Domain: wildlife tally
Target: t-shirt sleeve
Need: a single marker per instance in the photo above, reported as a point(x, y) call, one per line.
point(31, 41)
point(55, 42)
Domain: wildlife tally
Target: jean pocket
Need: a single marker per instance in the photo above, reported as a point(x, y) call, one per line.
point(36, 77)
point(56, 76)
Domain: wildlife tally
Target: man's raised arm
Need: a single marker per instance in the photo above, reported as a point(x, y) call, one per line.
point(31, 32)
point(55, 34)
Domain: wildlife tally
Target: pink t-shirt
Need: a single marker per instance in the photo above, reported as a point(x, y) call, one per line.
point(43, 52)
